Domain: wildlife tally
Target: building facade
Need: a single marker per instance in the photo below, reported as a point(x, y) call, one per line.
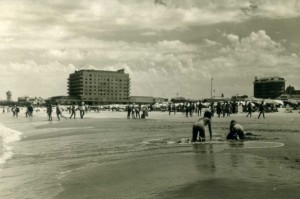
point(100, 87)
point(269, 87)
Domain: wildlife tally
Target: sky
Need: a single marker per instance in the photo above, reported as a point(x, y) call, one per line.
point(169, 48)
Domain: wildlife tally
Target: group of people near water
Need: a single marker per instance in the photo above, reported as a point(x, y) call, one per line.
point(15, 109)
point(81, 107)
point(221, 109)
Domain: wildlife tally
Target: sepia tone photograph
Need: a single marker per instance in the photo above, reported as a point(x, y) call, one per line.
point(149, 99)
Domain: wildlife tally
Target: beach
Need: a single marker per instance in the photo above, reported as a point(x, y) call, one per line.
point(106, 155)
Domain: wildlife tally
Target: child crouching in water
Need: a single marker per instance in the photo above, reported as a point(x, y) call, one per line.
point(236, 131)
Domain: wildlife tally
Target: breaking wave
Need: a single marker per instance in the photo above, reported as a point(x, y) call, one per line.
point(7, 136)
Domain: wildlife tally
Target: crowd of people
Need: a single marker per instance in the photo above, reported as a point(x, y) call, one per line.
point(134, 111)
point(224, 109)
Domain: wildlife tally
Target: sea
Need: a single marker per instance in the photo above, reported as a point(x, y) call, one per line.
point(110, 156)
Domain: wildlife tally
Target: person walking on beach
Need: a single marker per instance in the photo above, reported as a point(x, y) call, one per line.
point(49, 111)
point(249, 109)
point(261, 109)
point(58, 112)
point(17, 110)
point(29, 110)
point(236, 131)
point(73, 111)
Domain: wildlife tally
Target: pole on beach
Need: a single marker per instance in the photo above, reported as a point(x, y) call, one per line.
point(211, 86)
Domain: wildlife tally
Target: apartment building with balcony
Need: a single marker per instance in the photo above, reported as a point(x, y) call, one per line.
point(97, 87)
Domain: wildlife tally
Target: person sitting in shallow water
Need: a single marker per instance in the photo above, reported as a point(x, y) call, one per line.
point(236, 131)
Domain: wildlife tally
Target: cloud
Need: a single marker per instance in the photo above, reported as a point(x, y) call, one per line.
point(163, 45)
point(35, 80)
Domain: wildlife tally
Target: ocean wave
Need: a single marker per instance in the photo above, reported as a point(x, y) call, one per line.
point(7, 136)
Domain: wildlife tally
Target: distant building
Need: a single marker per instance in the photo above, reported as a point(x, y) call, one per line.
point(64, 100)
point(30, 100)
point(290, 93)
point(290, 90)
point(160, 99)
point(141, 99)
point(99, 86)
point(269, 87)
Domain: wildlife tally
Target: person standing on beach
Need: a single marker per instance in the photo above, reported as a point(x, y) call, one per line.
point(58, 112)
point(249, 109)
point(82, 110)
point(199, 108)
point(219, 109)
point(73, 111)
point(236, 131)
point(137, 111)
point(187, 109)
point(128, 111)
point(174, 108)
point(144, 112)
point(49, 111)
point(207, 117)
point(169, 108)
point(261, 109)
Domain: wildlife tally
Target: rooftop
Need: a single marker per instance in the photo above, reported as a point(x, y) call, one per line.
point(269, 79)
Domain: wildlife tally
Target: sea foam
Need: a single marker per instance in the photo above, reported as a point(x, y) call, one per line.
point(7, 137)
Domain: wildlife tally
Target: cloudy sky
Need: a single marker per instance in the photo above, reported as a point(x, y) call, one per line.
point(169, 47)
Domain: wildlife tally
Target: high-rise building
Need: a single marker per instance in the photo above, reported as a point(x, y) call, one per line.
point(99, 86)
point(269, 87)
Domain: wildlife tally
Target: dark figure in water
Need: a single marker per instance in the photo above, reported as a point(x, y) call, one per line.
point(236, 131)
